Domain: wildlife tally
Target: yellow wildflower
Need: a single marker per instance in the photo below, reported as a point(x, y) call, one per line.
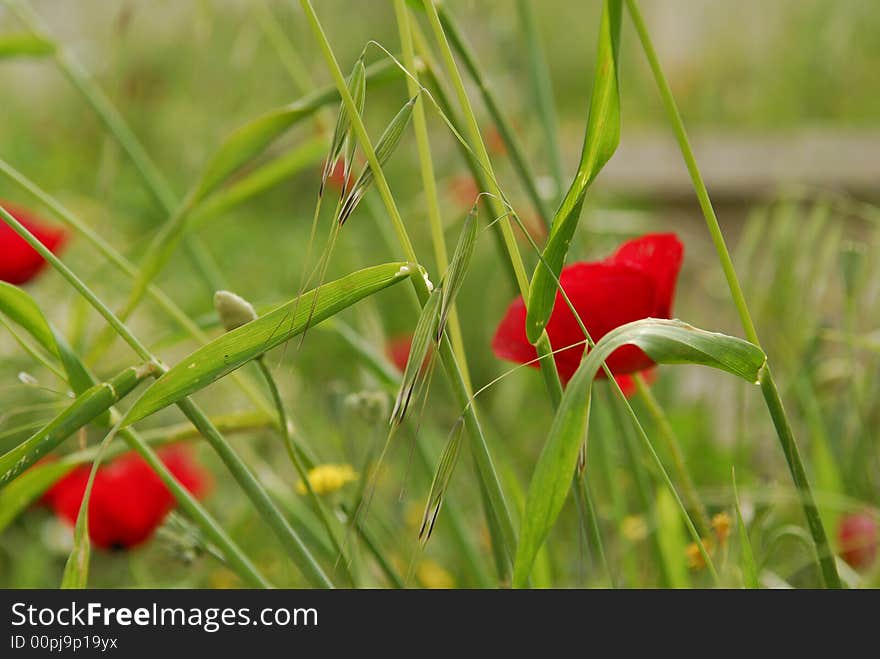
point(695, 557)
point(634, 528)
point(721, 526)
point(328, 478)
point(432, 575)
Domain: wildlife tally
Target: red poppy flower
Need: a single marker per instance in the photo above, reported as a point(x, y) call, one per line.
point(128, 500)
point(19, 262)
point(857, 537)
point(336, 179)
point(398, 349)
point(637, 282)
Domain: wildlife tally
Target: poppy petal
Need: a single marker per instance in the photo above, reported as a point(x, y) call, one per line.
point(19, 262)
point(128, 500)
point(659, 255)
point(605, 296)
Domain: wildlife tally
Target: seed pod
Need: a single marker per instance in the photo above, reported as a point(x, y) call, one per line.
point(234, 310)
point(384, 148)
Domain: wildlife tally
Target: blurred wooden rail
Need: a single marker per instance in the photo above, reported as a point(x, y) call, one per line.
point(741, 168)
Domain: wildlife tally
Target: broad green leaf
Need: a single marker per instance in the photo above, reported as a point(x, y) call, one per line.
point(23, 310)
point(666, 342)
point(600, 142)
point(384, 148)
point(746, 555)
point(89, 405)
point(234, 349)
point(251, 139)
point(27, 45)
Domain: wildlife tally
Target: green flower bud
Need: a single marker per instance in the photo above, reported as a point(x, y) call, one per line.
point(234, 311)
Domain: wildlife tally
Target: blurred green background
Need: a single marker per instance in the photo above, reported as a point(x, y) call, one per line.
point(781, 76)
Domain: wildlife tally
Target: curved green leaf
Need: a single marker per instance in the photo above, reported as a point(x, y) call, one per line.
point(234, 349)
point(666, 342)
point(252, 138)
point(600, 142)
point(21, 308)
point(89, 405)
point(259, 180)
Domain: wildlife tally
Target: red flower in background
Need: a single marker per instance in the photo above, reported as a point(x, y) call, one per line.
point(857, 537)
point(336, 178)
point(464, 190)
point(19, 262)
point(398, 349)
point(128, 500)
point(495, 142)
point(637, 282)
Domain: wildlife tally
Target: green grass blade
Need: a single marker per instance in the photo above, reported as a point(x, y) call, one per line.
point(518, 157)
point(461, 259)
point(423, 339)
point(747, 556)
point(25, 45)
point(600, 142)
point(543, 89)
point(441, 480)
point(251, 139)
point(386, 145)
point(671, 539)
point(258, 181)
point(230, 351)
point(666, 342)
point(357, 87)
point(87, 407)
point(20, 307)
point(24, 490)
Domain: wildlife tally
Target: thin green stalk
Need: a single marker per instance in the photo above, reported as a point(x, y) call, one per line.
point(694, 171)
point(667, 481)
point(824, 554)
point(36, 353)
point(768, 386)
point(462, 394)
point(642, 487)
point(126, 267)
point(496, 196)
point(246, 480)
point(156, 184)
point(299, 462)
point(236, 559)
point(472, 131)
point(585, 499)
point(287, 54)
point(517, 155)
point(429, 183)
point(689, 491)
point(543, 89)
point(372, 544)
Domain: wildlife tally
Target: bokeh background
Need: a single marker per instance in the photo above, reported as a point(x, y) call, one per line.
point(781, 100)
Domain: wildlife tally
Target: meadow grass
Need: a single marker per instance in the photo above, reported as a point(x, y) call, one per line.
point(519, 481)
